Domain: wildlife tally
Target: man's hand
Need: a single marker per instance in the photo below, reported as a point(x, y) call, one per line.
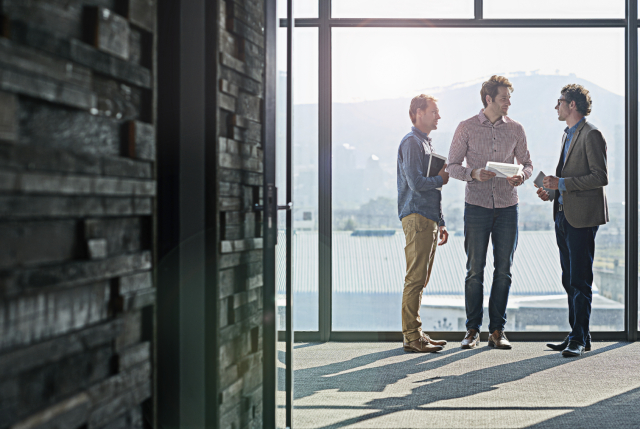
point(444, 175)
point(551, 182)
point(482, 175)
point(444, 235)
point(542, 194)
point(516, 180)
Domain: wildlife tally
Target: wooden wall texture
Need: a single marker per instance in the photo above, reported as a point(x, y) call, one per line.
point(77, 195)
point(240, 167)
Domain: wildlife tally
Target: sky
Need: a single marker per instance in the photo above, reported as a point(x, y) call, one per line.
point(383, 63)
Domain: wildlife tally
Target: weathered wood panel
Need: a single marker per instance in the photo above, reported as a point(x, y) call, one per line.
point(143, 14)
point(64, 184)
point(107, 31)
point(134, 355)
point(119, 100)
point(51, 351)
point(8, 117)
point(122, 235)
point(142, 141)
point(135, 282)
point(70, 413)
point(34, 61)
point(32, 318)
point(75, 212)
point(46, 89)
point(80, 52)
point(63, 17)
point(73, 273)
point(45, 125)
point(44, 386)
point(26, 207)
point(25, 244)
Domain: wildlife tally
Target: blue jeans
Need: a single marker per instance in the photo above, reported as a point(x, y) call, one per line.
point(502, 226)
point(577, 250)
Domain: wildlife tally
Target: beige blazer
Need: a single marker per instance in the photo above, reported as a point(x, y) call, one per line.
point(585, 176)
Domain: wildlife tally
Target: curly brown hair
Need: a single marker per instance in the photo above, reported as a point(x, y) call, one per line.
point(491, 86)
point(579, 94)
point(419, 102)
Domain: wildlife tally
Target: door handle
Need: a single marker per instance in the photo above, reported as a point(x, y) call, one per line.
point(257, 207)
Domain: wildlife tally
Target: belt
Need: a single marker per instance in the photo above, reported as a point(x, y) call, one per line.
point(560, 207)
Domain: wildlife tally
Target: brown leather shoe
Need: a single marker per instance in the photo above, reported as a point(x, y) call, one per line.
point(434, 342)
point(498, 340)
point(471, 340)
point(421, 345)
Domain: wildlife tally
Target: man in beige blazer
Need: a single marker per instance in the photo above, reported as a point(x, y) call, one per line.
point(579, 208)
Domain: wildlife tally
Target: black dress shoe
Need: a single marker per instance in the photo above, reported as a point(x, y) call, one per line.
point(559, 346)
point(563, 345)
point(573, 349)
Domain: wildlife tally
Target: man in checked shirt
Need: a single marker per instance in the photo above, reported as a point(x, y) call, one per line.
point(491, 205)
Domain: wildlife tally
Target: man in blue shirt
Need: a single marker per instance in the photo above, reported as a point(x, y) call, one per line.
point(579, 209)
point(420, 210)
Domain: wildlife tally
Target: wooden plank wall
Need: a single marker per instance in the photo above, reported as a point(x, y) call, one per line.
point(77, 195)
point(240, 166)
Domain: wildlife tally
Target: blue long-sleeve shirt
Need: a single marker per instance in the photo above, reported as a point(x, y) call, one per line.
point(418, 193)
point(567, 143)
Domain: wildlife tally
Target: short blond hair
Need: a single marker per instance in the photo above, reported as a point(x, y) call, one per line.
point(491, 86)
point(419, 102)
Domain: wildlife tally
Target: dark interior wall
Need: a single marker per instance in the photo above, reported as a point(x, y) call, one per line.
point(240, 161)
point(77, 195)
point(210, 176)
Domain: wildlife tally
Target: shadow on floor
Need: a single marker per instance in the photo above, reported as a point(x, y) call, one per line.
point(333, 377)
point(311, 380)
point(620, 411)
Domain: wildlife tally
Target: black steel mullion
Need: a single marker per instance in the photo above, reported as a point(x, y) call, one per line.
point(269, 228)
point(474, 23)
point(631, 199)
point(459, 23)
point(289, 224)
point(324, 171)
point(477, 9)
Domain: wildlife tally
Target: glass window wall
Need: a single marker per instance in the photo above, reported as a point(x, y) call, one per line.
point(553, 9)
point(376, 72)
point(302, 9)
point(305, 178)
point(435, 9)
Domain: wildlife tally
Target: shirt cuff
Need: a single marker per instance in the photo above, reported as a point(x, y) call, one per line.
point(468, 174)
point(561, 186)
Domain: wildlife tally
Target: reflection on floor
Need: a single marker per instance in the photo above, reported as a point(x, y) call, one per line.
point(377, 385)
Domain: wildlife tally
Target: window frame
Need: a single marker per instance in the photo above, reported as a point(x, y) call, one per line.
point(325, 23)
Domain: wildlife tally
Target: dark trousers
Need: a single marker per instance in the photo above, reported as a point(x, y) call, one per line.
point(577, 250)
point(480, 224)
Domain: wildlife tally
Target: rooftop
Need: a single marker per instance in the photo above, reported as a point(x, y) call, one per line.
point(376, 264)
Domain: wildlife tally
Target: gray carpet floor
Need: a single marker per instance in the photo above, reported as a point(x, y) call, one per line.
point(378, 385)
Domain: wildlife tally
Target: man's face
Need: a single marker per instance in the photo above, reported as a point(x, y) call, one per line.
point(427, 119)
point(501, 102)
point(563, 108)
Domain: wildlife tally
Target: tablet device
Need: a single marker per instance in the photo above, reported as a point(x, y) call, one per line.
point(538, 183)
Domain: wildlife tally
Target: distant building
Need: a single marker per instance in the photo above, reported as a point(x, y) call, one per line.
point(368, 275)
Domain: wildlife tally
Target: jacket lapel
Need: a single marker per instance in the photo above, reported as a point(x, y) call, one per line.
point(574, 139)
point(560, 164)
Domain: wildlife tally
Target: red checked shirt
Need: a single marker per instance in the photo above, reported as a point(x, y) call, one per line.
point(479, 141)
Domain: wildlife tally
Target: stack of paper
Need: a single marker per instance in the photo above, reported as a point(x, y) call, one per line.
point(503, 170)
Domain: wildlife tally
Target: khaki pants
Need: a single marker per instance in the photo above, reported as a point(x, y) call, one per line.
point(421, 235)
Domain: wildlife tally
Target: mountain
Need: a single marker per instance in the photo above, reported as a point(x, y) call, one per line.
point(366, 136)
